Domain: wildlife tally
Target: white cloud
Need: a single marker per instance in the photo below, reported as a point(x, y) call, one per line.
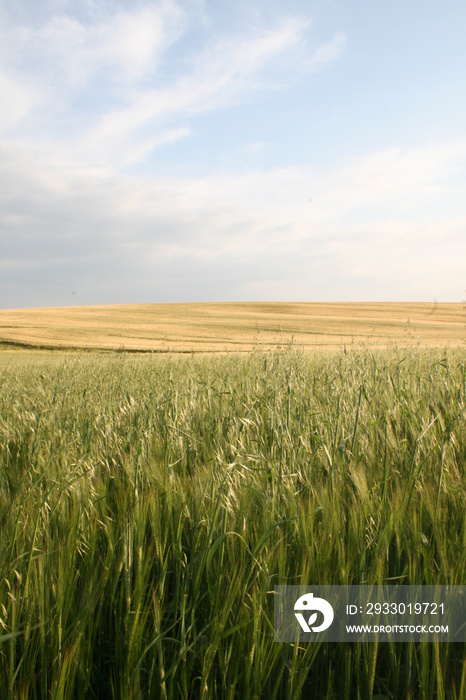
point(16, 101)
point(235, 228)
point(100, 85)
point(128, 43)
point(84, 99)
point(411, 178)
point(329, 51)
point(217, 77)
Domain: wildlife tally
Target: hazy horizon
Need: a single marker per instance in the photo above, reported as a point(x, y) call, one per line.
point(290, 302)
point(188, 151)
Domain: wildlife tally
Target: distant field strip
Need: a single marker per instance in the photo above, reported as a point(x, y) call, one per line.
point(234, 327)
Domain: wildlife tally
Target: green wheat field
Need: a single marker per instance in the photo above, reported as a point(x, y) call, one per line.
point(149, 504)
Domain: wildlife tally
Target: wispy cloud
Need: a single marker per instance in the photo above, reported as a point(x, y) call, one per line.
point(124, 45)
point(217, 77)
point(101, 86)
point(328, 52)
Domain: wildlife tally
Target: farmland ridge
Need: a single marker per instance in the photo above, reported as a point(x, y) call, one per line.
point(234, 327)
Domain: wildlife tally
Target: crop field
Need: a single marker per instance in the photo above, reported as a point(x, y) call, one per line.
point(150, 503)
point(235, 327)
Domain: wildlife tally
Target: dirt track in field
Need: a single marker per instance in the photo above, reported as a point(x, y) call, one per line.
point(235, 327)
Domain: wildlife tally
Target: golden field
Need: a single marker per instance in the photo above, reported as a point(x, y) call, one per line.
point(234, 327)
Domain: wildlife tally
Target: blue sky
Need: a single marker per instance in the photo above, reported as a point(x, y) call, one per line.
point(208, 150)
